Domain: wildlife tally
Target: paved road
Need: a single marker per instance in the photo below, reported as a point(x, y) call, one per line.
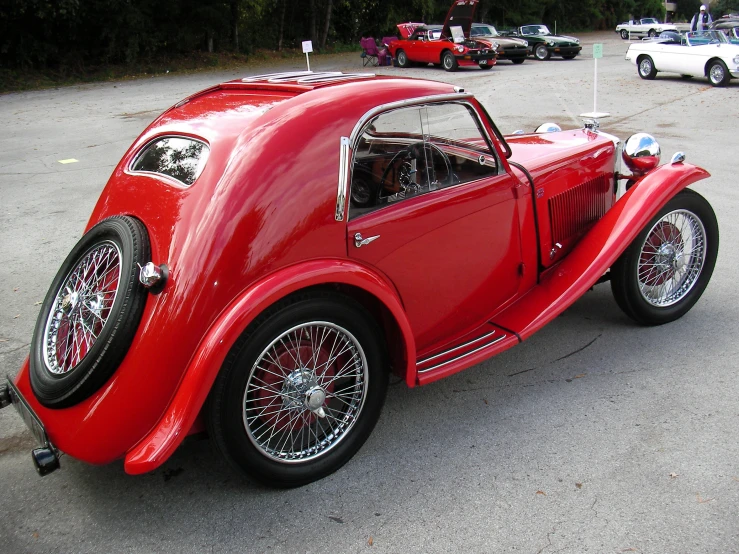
point(594, 436)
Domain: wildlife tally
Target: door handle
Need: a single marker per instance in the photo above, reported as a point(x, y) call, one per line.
point(359, 241)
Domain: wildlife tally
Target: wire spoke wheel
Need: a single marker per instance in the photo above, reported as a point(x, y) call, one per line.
point(671, 258)
point(301, 389)
point(665, 270)
point(81, 308)
point(305, 392)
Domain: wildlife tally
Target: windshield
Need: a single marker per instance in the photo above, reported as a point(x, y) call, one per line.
point(648, 21)
point(535, 30)
point(699, 38)
point(483, 31)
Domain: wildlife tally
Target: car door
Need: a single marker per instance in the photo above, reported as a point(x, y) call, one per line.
point(440, 219)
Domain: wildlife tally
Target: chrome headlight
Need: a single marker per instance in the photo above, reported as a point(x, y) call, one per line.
point(736, 60)
point(641, 153)
point(496, 46)
point(525, 42)
point(548, 128)
point(550, 43)
point(459, 48)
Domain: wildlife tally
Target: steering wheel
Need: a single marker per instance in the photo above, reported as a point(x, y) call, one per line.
point(402, 163)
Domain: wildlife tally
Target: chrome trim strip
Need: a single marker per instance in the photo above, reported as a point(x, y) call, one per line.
point(402, 104)
point(424, 360)
point(343, 179)
point(442, 364)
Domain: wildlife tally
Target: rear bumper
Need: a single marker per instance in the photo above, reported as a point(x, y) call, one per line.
point(46, 456)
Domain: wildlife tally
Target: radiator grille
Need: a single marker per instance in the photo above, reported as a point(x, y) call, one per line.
point(574, 211)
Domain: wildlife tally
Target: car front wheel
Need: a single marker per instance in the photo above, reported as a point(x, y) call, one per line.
point(718, 74)
point(402, 58)
point(624, 34)
point(300, 391)
point(449, 61)
point(646, 68)
point(652, 33)
point(665, 270)
point(541, 52)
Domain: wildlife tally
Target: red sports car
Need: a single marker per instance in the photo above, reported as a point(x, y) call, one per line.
point(271, 249)
point(448, 45)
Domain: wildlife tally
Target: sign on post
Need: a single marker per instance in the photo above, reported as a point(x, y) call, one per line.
point(597, 51)
point(307, 48)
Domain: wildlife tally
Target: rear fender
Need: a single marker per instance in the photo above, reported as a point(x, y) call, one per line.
point(187, 402)
point(564, 283)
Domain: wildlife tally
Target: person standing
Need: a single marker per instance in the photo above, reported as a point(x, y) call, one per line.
point(701, 20)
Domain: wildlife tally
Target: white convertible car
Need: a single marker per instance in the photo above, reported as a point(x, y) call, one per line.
point(700, 54)
point(640, 27)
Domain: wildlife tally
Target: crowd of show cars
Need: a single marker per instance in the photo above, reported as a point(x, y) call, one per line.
point(460, 42)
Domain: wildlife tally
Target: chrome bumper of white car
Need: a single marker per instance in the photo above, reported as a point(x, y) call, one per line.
point(734, 73)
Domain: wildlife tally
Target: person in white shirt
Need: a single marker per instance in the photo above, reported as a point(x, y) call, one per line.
point(701, 20)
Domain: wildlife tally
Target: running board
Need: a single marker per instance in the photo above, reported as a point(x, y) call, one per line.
point(485, 342)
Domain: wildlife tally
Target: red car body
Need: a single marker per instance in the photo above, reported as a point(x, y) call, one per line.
point(266, 219)
point(425, 44)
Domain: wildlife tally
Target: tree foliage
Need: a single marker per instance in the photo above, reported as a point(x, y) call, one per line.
point(79, 33)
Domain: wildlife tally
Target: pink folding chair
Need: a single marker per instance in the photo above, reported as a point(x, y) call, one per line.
point(370, 54)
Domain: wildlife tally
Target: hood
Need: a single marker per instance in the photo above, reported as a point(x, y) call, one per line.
point(460, 15)
point(406, 29)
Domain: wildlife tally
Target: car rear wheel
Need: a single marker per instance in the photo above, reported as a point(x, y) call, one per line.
point(646, 68)
point(402, 58)
point(652, 33)
point(624, 34)
point(448, 61)
point(718, 74)
point(90, 314)
point(541, 52)
point(663, 273)
point(300, 391)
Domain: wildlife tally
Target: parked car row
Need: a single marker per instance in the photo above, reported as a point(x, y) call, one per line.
point(461, 43)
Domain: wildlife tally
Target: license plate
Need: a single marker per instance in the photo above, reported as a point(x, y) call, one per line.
point(483, 62)
point(27, 414)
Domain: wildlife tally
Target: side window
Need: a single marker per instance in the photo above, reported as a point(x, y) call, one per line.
point(181, 158)
point(411, 151)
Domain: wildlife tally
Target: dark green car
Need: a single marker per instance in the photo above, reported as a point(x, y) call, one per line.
point(543, 44)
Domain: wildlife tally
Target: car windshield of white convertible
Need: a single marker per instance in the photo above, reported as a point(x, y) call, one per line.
point(699, 38)
point(535, 30)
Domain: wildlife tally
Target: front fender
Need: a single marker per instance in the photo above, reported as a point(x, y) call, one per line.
point(563, 284)
point(198, 379)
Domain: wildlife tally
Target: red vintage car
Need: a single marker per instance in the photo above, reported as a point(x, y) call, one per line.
point(448, 45)
point(271, 249)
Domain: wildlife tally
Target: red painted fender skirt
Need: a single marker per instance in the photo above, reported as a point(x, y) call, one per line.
point(183, 410)
point(563, 284)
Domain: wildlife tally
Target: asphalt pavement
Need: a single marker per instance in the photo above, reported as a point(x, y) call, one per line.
point(596, 435)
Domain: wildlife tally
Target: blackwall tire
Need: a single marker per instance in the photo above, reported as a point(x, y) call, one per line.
point(448, 61)
point(645, 68)
point(90, 314)
point(624, 34)
point(718, 74)
point(402, 59)
point(263, 410)
point(541, 52)
point(665, 270)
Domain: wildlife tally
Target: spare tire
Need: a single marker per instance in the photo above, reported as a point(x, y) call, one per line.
point(90, 314)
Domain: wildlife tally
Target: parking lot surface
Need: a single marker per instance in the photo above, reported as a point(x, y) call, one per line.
point(596, 435)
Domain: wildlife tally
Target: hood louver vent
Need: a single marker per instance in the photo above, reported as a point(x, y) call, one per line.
point(574, 211)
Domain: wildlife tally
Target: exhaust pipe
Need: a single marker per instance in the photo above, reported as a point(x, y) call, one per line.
point(45, 459)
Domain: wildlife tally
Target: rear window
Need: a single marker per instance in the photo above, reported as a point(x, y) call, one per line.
point(181, 158)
